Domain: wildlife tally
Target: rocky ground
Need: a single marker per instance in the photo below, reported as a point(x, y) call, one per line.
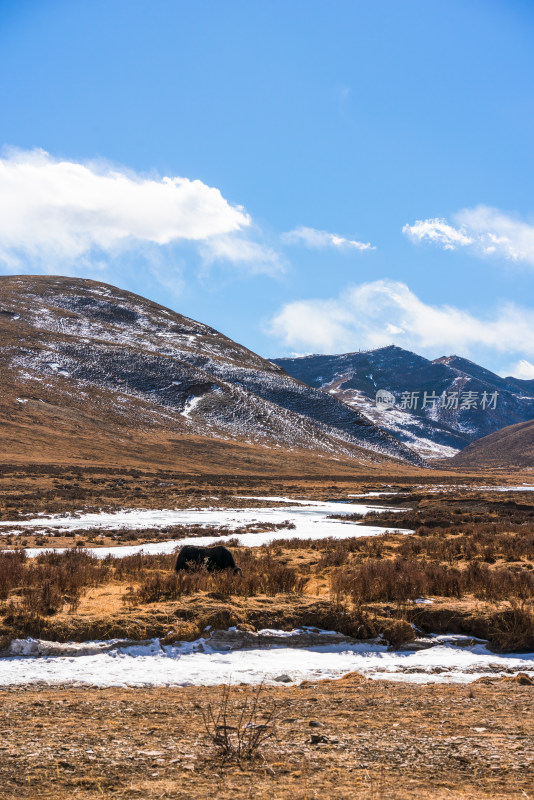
point(351, 738)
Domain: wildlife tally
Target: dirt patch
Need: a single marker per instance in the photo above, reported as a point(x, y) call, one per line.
point(351, 738)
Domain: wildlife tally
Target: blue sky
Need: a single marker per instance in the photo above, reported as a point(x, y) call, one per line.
point(339, 175)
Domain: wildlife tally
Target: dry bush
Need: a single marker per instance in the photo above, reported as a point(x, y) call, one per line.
point(260, 575)
point(220, 618)
point(395, 631)
point(161, 587)
point(183, 631)
point(366, 545)
point(497, 584)
point(239, 727)
point(380, 581)
point(66, 572)
point(12, 568)
point(135, 566)
point(399, 580)
point(513, 629)
point(233, 541)
point(56, 578)
point(50, 580)
point(487, 542)
point(335, 556)
point(26, 622)
point(44, 598)
point(507, 515)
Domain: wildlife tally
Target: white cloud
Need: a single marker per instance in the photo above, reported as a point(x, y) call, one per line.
point(438, 232)
point(485, 231)
point(523, 369)
point(54, 210)
point(384, 312)
point(257, 256)
point(310, 237)
point(313, 325)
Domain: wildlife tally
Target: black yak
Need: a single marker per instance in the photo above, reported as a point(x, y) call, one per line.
point(213, 558)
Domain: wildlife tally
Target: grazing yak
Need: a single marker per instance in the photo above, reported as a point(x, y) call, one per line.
point(213, 558)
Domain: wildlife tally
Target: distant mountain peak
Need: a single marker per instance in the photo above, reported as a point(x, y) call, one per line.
point(434, 428)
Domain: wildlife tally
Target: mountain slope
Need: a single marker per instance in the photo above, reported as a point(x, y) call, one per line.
point(511, 447)
point(433, 431)
point(83, 360)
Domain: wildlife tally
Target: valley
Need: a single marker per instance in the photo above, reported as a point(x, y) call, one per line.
point(119, 717)
point(383, 580)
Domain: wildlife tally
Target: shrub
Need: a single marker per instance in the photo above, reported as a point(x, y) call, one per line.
point(400, 580)
point(259, 575)
point(240, 728)
point(513, 628)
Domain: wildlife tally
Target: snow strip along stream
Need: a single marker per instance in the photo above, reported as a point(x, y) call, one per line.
point(207, 662)
point(310, 518)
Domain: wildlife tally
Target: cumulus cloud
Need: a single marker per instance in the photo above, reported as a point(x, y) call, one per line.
point(384, 312)
point(310, 237)
point(54, 210)
point(523, 369)
point(483, 230)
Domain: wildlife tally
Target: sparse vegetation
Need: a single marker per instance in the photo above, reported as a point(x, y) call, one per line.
point(260, 574)
point(399, 580)
point(239, 726)
point(50, 574)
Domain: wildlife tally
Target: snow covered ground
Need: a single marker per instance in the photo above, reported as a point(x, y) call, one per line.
point(452, 659)
point(525, 487)
point(310, 518)
point(136, 519)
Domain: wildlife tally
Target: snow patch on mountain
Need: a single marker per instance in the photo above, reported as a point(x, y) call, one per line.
point(161, 368)
point(433, 429)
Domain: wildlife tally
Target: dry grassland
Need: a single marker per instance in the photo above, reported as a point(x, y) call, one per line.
point(472, 553)
point(351, 738)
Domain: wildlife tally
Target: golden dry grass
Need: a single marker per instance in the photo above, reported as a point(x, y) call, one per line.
point(393, 740)
point(449, 549)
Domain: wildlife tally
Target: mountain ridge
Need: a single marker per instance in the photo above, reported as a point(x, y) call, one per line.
point(75, 349)
point(436, 431)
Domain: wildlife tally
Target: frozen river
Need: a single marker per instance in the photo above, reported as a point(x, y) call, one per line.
point(451, 659)
point(310, 518)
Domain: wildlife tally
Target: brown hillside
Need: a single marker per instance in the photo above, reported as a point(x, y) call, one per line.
point(95, 375)
point(510, 448)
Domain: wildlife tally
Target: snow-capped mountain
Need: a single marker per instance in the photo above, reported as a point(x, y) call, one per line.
point(440, 406)
point(74, 351)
